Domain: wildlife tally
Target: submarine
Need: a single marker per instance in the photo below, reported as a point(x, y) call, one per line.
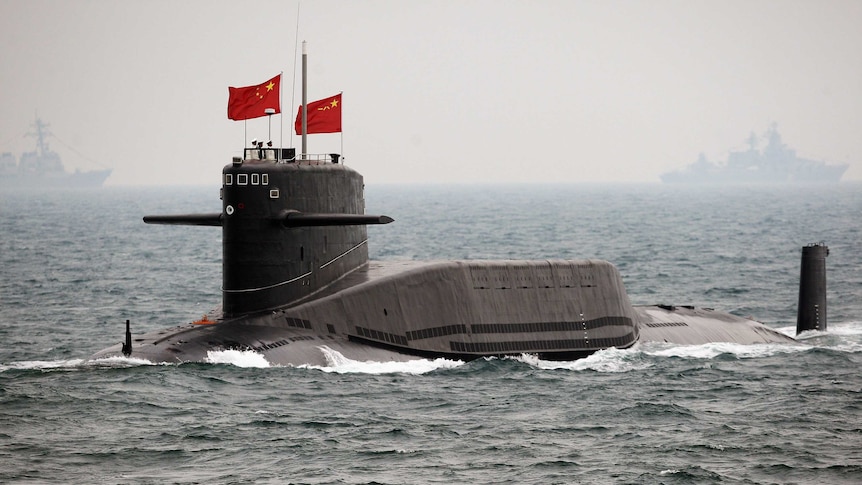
point(298, 285)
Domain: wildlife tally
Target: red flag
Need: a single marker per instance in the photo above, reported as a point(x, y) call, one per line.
point(252, 101)
point(324, 116)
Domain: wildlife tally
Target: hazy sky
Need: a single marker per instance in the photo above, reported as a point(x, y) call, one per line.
point(436, 91)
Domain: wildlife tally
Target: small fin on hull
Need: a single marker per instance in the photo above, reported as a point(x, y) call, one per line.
point(213, 219)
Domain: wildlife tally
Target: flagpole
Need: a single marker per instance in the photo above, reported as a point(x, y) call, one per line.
point(341, 93)
point(280, 118)
point(304, 99)
point(293, 76)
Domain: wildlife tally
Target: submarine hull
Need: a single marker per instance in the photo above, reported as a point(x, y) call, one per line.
point(463, 310)
point(460, 310)
point(299, 289)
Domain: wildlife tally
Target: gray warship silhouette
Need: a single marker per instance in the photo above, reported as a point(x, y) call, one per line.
point(776, 163)
point(42, 167)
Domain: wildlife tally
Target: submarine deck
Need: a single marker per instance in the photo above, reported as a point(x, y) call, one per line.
point(373, 270)
point(688, 325)
point(271, 332)
point(685, 325)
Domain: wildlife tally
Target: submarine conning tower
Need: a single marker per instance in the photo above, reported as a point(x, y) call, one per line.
point(289, 229)
point(811, 313)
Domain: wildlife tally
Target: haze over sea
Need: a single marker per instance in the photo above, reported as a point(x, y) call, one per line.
point(76, 264)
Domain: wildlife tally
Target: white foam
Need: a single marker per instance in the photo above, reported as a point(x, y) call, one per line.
point(607, 360)
point(239, 358)
point(641, 355)
point(41, 364)
point(120, 361)
point(712, 350)
point(72, 364)
point(841, 337)
point(338, 363)
point(845, 329)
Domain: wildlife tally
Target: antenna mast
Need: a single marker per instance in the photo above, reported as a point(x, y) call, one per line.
point(304, 100)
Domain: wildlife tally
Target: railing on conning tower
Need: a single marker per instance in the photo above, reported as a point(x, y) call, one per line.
point(269, 153)
point(288, 155)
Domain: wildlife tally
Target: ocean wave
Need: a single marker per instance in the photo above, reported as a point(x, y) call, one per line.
point(846, 329)
point(608, 360)
point(841, 337)
point(74, 364)
point(645, 355)
point(117, 361)
point(715, 349)
point(238, 358)
point(338, 363)
point(41, 365)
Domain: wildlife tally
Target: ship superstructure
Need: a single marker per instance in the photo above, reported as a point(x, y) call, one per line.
point(42, 168)
point(775, 163)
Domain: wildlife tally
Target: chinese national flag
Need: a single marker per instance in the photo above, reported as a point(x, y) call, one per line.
point(324, 116)
point(252, 101)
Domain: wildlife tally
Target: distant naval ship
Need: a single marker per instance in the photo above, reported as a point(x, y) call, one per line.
point(42, 168)
point(776, 163)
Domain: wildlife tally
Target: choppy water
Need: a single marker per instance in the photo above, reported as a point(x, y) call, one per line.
point(75, 265)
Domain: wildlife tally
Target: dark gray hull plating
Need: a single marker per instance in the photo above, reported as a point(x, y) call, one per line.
point(559, 310)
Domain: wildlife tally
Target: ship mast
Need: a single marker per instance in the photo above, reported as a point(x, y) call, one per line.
point(40, 134)
point(304, 100)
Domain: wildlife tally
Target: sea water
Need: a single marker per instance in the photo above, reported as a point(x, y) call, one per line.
point(74, 265)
